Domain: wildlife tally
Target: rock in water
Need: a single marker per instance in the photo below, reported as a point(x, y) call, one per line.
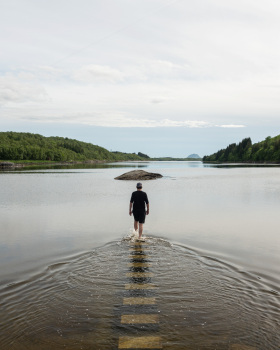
point(138, 175)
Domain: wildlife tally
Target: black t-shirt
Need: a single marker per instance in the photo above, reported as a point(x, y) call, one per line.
point(139, 198)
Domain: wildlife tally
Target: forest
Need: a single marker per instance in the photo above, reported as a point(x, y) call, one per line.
point(264, 151)
point(19, 146)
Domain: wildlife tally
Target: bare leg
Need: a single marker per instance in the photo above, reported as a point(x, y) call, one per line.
point(140, 230)
point(135, 226)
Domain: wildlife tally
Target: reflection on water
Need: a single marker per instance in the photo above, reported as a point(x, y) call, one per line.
point(46, 168)
point(134, 164)
point(197, 303)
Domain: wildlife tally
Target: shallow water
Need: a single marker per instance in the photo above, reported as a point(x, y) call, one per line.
point(213, 247)
point(201, 302)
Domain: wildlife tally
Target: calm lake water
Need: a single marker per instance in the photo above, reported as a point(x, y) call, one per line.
point(70, 266)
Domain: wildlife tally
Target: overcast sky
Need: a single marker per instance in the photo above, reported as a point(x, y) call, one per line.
point(164, 77)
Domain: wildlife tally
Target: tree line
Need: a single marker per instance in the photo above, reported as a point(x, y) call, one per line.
point(265, 151)
point(28, 146)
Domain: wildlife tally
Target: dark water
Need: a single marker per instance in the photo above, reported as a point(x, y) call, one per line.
point(212, 255)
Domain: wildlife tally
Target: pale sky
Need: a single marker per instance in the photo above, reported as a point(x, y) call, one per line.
point(164, 77)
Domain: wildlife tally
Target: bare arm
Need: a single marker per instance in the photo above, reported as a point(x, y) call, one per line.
point(148, 209)
point(130, 208)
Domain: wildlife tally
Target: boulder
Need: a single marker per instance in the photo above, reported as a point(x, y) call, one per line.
point(138, 175)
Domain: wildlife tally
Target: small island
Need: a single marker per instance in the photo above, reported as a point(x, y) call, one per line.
point(138, 175)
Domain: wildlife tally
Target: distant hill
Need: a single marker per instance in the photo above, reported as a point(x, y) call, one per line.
point(264, 151)
point(26, 146)
point(194, 155)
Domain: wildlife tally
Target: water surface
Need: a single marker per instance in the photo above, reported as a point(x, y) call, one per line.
point(213, 233)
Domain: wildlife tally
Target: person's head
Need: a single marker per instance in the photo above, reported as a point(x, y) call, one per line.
point(139, 186)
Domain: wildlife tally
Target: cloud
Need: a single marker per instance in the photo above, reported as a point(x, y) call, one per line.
point(167, 70)
point(110, 119)
point(215, 66)
point(231, 126)
point(185, 123)
point(49, 73)
point(16, 89)
point(157, 100)
point(98, 73)
point(49, 69)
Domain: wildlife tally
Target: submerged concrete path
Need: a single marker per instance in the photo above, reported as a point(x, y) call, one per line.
point(139, 317)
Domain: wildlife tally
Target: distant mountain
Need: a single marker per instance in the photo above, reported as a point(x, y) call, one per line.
point(264, 151)
point(194, 155)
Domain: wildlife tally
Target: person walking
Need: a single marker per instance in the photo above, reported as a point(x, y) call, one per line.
point(139, 201)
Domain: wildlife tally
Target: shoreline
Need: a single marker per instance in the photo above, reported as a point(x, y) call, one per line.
point(13, 164)
point(241, 162)
point(7, 164)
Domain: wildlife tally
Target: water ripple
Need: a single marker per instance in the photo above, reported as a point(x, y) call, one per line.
point(204, 302)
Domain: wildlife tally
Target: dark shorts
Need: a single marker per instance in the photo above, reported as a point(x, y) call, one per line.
point(139, 216)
